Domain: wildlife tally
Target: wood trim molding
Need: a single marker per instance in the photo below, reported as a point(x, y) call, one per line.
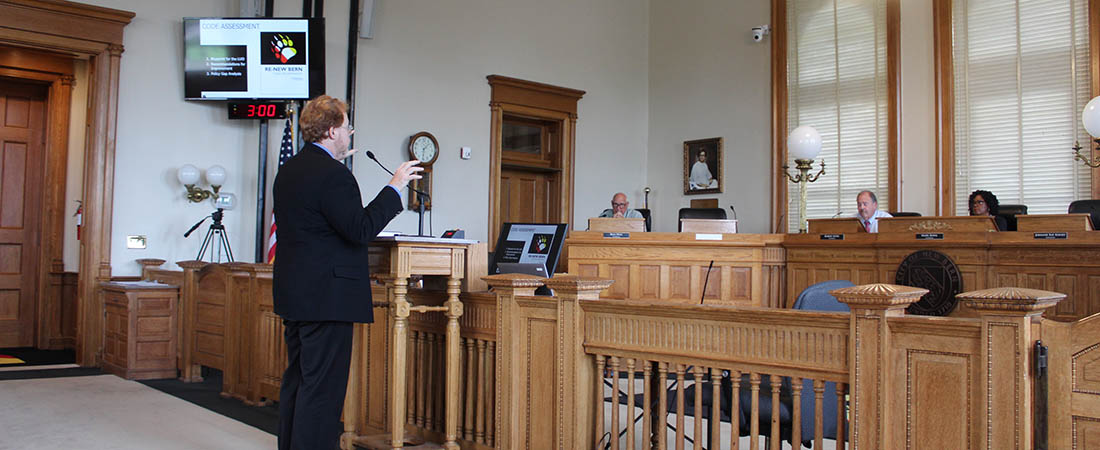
point(779, 115)
point(1094, 73)
point(535, 100)
point(893, 102)
point(945, 108)
point(96, 32)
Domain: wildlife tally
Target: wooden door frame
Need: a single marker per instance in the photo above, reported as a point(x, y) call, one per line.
point(94, 32)
point(57, 73)
point(539, 101)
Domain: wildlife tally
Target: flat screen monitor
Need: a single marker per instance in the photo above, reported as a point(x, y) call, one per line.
point(528, 244)
point(253, 58)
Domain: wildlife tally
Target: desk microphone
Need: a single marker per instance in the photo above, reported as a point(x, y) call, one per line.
point(779, 223)
point(734, 212)
point(838, 213)
point(420, 225)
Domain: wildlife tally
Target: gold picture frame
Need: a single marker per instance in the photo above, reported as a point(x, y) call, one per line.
point(705, 178)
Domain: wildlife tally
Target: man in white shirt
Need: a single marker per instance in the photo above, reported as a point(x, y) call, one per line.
point(620, 208)
point(869, 214)
point(701, 177)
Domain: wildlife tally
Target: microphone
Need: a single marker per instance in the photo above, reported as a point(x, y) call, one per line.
point(734, 212)
point(424, 195)
point(779, 223)
point(370, 155)
point(838, 213)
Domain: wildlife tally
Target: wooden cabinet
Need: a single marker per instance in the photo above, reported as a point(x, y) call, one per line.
point(139, 341)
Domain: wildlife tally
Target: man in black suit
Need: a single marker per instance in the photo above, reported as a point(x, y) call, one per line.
point(321, 279)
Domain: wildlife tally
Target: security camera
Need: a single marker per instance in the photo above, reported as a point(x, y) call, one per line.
point(759, 32)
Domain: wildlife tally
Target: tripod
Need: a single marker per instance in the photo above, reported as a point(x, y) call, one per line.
point(216, 230)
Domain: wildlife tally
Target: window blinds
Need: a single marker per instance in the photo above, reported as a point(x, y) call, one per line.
point(836, 61)
point(1021, 79)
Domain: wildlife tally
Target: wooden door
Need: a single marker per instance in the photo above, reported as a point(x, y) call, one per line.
point(525, 196)
point(22, 124)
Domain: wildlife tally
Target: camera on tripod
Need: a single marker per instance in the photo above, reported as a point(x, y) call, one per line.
point(215, 232)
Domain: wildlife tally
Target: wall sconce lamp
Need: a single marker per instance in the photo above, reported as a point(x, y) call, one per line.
point(189, 177)
point(1090, 117)
point(804, 143)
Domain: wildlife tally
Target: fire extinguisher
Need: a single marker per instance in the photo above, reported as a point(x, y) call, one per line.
point(79, 218)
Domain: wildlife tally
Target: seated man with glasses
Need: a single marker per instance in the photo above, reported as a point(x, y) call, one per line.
point(620, 208)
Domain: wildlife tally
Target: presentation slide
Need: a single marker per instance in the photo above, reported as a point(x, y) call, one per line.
point(243, 58)
point(528, 244)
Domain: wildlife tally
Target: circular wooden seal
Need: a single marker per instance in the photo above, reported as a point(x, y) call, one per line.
point(936, 272)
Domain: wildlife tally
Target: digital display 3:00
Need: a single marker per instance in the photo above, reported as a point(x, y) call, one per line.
point(257, 110)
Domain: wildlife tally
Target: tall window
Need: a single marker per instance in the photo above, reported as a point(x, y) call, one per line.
point(1021, 70)
point(836, 83)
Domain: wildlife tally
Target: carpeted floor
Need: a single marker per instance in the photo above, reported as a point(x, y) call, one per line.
point(35, 357)
point(107, 412)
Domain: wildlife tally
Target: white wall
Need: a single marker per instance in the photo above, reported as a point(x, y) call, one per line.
point(74, 169)
point(709, 79)
point(918, 102)
point(425, 69)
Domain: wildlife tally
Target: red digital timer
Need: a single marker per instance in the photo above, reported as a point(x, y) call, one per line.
point(257, 110)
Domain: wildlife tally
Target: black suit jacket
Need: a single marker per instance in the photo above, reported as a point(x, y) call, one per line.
point(321, 270)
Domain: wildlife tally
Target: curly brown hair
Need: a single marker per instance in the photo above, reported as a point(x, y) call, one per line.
point(319, 115)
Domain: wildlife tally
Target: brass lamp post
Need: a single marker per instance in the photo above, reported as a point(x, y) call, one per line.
point(1090, 117)
point(804, 143)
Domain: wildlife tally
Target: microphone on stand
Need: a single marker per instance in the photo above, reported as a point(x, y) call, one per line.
point(420, 224)
point(734, 212)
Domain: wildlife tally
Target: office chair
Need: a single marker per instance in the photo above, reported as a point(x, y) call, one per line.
point(699, 213)
point(904, 214)
point(1092, 207)
point(1009, 213)
point(648, 219)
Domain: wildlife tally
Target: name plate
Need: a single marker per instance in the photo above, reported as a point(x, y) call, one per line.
point(708, 236)
point(832, 237)
point(1051, 235)
point(616, 235)
point(929, 236)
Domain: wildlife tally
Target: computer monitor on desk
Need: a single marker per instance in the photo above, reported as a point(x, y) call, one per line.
point(528, 243)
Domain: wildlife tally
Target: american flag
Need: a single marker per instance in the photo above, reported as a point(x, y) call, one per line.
point(286, 150)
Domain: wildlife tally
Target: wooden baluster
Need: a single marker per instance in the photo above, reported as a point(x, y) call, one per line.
point(421, 376)
point(735, 410)
point(414, 377)
point(754, 412)
point(841, 416)
point(819, 413)
point(630, 403)
point(679, 407)
point(796, 412)
point(715, 410)
point(775, 382)
point(471, 382)
point(433, 381)
point(662, 405)
point(479, 425)
point(697, 434)
point(614, 425)
point(647, 400)
point(601, 372)
point(490, 413)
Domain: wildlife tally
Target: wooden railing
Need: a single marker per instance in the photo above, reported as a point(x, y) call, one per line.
point(577, 371)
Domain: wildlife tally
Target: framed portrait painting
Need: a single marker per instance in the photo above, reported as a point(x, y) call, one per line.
point(703, 166)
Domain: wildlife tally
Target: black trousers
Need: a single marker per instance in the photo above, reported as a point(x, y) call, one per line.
point(311, 398)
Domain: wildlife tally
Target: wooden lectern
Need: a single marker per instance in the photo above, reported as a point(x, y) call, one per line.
point(393, 260)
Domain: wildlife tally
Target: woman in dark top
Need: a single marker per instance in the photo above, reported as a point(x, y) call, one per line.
point(984, 203)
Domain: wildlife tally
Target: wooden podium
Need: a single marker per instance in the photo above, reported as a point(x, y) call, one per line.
point(393, 260)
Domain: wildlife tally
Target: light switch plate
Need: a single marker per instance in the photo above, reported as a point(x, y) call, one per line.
point(465, 153)
point(135, 241)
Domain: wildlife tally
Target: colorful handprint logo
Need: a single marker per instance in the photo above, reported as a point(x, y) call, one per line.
point(283, 47)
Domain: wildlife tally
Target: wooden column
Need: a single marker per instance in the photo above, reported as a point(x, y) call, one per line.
point(870, 364)
point(148, 264)
point(1006, 364)
point(576, 369)
point(189, 371)
point(509, 432)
